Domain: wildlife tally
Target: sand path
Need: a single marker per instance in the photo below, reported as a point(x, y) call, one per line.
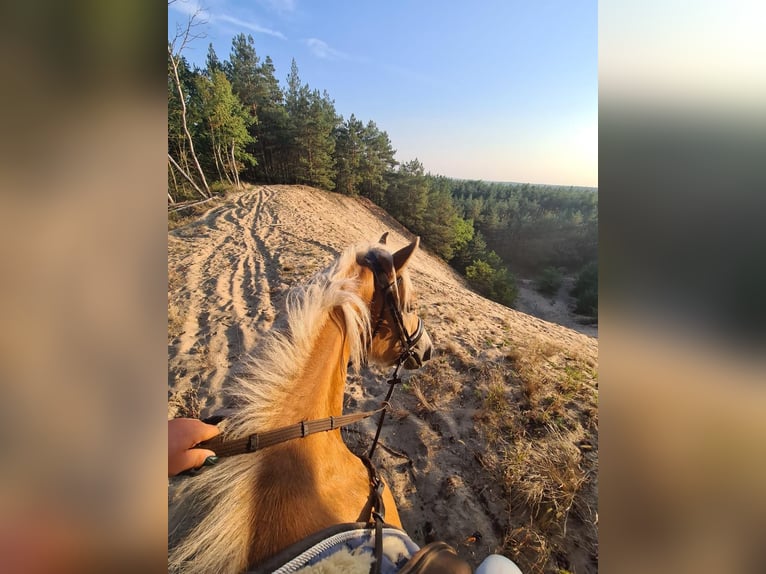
point(229, 272)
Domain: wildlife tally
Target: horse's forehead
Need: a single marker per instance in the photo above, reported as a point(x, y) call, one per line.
point(376, 260)
point(383, 257)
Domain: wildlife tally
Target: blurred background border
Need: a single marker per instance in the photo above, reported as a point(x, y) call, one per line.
point(683, 320)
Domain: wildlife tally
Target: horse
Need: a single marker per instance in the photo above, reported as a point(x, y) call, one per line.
point(245, 510)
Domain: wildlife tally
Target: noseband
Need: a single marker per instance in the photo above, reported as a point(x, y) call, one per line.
point(382, 284)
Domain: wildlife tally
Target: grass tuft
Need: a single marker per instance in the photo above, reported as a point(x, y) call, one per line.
point(539, 416)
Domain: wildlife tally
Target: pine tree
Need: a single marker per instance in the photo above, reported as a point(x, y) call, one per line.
point(312, 123)
point(242, 71)
point(377, 159)
point(296, 106)
point(271, 129)
point(348, 156)
point(213, 63)
point(407, 195)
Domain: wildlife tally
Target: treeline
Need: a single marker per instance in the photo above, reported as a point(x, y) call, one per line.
point(232, 120)
point(535, 226)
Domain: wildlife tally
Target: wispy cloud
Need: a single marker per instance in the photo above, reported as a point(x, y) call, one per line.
point(249, 25)
point(190, 8)
point(322, 50)
point(194, 7)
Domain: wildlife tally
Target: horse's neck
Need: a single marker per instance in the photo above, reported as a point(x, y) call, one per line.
point(309, 484)
point(318, 390)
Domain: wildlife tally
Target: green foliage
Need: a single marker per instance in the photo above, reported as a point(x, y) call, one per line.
point(220, 187)
point(481, 275)
point(585, 290)
point(256, 86)
point(533, 226)
point(348, 156)
point(406, 195)
point(312, 122)
point(425, 206)
point(226, 121)
point(272, 126)
point(213, 63)
point(475, 248)
point(496, 283)
point(242, 70)
point(376, 160)
point(549, 281)
point(236, 107)
point(463, 234)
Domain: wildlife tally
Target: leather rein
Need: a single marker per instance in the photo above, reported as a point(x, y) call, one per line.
point(251, 443)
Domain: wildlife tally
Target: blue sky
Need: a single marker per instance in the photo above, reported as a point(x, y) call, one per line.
point(492, 90)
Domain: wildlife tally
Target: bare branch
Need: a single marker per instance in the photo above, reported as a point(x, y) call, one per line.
point(187, 33)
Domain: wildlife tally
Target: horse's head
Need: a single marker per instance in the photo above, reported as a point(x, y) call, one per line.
point(397, 332)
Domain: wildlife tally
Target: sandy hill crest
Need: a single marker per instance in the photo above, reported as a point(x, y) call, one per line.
point(497, 435)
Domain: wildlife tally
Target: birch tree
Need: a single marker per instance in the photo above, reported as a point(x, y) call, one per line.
point(175, 48)
point(227, 124)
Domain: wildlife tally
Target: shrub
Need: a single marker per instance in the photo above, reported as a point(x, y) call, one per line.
point(221, 187)
point(585, 290)
point(496, 283)
point(549, 281)
point(480, 274)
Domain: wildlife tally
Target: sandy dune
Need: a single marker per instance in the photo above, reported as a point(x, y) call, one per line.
point(229, 272)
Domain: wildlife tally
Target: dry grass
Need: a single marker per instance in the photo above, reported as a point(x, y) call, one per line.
point(456, 356)
point(539, 415)
point(180, 218)
point(451, 347)
point(434, 385)
point(546, 481)
point(424, 405)
point(186, 403)
point(175, 322)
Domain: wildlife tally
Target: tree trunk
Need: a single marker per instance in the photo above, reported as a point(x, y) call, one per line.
point(218, 153)
point(234, 166)
point(215, 156)
point(267, 154)
point(184, 125)
point(175, 183)
point(186, 176)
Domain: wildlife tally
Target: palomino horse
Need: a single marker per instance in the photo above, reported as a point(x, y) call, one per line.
point(246, 509)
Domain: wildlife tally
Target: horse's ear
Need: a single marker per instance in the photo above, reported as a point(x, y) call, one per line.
point(383, 238)
point(402, 257)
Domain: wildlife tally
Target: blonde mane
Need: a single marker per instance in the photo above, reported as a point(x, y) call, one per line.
point(210, 514)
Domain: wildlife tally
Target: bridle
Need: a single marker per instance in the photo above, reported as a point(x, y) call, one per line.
point(408, 341)
point(258, 441)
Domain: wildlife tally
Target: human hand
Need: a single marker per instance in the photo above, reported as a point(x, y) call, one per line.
point(183, 434)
